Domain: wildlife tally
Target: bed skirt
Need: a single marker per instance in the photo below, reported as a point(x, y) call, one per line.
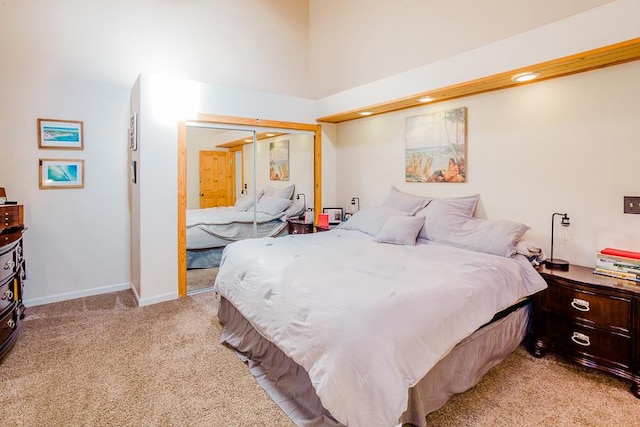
point(204, 258)
point(288, 384)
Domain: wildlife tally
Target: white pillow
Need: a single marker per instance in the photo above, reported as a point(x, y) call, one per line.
point(466, 204)
point(284, 193)
point(272, 205)
point(370, 220)
point(296, 209)
point(244, 203)
point(401, 230)
point(447, 224)
point(409, 203)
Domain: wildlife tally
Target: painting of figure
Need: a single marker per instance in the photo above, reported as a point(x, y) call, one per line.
point(435, 146)
point(279, 160)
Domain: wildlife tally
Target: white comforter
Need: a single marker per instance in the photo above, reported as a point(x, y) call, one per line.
point(367, 320)
point(231, 224)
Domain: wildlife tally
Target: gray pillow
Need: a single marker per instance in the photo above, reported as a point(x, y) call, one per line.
point(284, 193)
point(272, 205)
point(401, 230)
point(409, 203)
point(244, 203)
point(466, 204)
point(447, 224)
point(370, 220)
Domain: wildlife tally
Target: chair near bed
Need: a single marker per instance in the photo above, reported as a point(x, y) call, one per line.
point(382, 319)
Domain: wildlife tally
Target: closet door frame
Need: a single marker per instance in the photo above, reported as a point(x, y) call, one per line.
point(238, 121)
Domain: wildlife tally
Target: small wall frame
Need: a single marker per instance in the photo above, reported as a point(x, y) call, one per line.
point(60, 173)
point(60, 134)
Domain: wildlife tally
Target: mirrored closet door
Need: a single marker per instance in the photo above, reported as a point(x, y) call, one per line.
point(241, 183)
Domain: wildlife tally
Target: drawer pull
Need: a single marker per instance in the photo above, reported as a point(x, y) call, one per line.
point(11, 323)
point(581, 339)
point(9, 265)
point(580, 304)
point(8, 295)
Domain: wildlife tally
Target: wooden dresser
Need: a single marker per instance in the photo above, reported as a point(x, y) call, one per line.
point(12, 274)
point(591, 319)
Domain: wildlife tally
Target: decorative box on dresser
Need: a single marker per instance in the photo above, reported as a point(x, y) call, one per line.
point(590, 319)
point(12, 274)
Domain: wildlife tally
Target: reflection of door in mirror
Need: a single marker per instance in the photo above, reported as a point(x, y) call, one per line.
point(216, 183)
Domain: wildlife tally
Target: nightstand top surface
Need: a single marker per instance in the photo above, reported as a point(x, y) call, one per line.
point(584, 275)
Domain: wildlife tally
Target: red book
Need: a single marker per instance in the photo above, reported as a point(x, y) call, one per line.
point(620, 252)
point(323, 220)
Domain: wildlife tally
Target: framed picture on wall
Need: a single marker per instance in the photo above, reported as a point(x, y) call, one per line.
point(60, 134)
point(61, 173)
point(133, 132)
point(335, 215)
point(436, 146)
point(279, 160)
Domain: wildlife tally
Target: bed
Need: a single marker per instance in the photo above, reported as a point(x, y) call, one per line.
point(209, 230)
point(363, 326)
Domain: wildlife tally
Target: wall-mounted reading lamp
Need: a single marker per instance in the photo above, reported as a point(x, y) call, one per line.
point(304, 200)
point(556, 263)
point(355, 201)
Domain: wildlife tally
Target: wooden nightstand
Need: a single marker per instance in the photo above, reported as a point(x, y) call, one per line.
point(591, 319)
point(298, 226)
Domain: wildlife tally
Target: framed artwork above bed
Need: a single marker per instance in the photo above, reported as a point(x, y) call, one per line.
point(279, 160)
point(436, 146)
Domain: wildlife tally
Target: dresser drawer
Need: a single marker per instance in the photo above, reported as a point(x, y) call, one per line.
point(11, 216)
point(10, 254)
point(605, 345)
point(8, 325)
point(600, 309)
point(7, 295)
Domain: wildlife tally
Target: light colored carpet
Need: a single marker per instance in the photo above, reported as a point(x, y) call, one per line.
point(200, 279)
point(102, 361)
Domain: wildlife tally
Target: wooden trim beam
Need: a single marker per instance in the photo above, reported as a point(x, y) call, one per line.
point(607, 56)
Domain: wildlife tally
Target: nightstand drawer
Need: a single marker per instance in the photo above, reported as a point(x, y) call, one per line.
point(8, 324)
point(7, 295)
point(601, 309)
point(578, 338)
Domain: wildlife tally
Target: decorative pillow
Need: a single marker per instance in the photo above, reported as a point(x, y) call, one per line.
point(296, 209)
point(370, 220)
point(405, 202)
point(401, 230)
point(284, 193)
point(466, 204)
point(450, 225)
point(272, 205)
point(244, 203)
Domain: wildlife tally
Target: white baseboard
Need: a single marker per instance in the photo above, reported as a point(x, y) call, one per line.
point(157, 299)
point(79, 294)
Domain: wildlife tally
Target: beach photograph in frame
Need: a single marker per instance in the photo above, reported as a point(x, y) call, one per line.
point(61, 173)
point(436, 146)
point(60, 134)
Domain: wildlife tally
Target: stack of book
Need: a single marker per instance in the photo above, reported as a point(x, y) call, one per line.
point(618, 263)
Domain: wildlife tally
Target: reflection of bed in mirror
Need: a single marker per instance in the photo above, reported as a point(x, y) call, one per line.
point(209, 230)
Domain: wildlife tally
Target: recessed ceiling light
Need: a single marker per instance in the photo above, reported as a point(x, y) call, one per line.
point(426, 99)
point(366, 113)
point(248, 140)
point(271, 134)
point(524, 77)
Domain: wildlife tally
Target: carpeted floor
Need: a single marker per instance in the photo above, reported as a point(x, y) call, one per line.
point(200, 279)
point(103, 361)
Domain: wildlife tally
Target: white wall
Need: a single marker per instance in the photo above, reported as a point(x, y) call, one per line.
point(163, 102)
point(564, 145)
point(78, 60)
point(612, 23)
point(300, 164)
point(360, 41)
